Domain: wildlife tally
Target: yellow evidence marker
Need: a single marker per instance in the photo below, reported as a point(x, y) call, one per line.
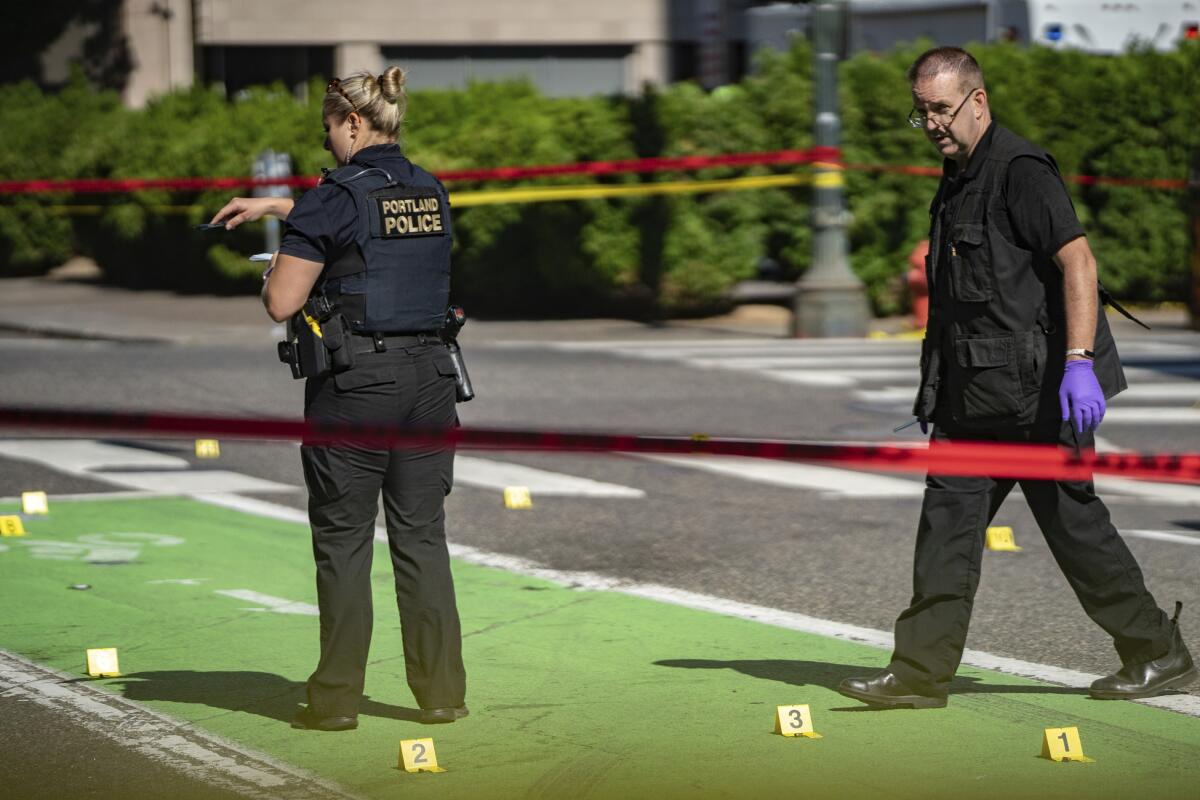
point(102, 662)
point(11, 526)
point(795, 721)
point(34, 503)
point(1001, 538)
point(1062, 744)
point(517, 497)
point(208, 448)
point(418, 755)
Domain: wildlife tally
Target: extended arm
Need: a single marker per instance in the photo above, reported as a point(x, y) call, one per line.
point(248, 209)
point(1080, 396)
point(1078, 267)
point(288, 283)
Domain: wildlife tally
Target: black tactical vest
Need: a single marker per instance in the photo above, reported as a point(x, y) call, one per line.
point(994, 347)
point(395, 278)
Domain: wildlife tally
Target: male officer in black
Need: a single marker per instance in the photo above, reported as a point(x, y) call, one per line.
point(373, 241)
point(1015, 351)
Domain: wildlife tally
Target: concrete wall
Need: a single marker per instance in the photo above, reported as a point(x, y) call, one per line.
point(427, 23)
point(167, 52)
point(162, 51)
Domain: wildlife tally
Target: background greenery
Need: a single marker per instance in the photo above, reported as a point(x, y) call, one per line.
point(1135, 116)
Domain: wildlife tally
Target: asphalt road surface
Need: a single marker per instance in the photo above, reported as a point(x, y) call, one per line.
point(830, 544)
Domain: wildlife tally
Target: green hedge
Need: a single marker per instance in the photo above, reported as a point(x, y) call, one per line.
point(1133, 115)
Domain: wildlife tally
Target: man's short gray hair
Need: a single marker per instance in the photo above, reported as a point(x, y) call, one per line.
point(952, 60)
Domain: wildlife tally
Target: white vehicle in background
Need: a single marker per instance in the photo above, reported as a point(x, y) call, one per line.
point(1093, 26)
point(1098, 27)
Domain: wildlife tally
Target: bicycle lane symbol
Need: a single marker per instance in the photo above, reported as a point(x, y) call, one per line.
point(96, 548)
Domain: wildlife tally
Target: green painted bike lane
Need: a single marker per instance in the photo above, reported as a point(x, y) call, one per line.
point(584, 693)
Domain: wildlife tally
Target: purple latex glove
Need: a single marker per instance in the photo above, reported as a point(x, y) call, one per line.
point(1081, 397)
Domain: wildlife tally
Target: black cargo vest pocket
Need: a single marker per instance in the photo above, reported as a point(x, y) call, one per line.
point(986, 377)
point(1033, 363)
point(970, 270)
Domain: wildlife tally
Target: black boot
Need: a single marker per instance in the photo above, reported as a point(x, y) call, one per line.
point(1134, 681)
point(888, 691)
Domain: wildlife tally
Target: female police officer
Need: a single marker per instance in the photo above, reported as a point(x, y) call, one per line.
point(373, 240)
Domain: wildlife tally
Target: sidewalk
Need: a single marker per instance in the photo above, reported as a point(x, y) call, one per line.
point(70, 303)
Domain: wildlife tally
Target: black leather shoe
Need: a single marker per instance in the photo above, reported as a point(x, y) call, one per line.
point(886, 690)
point(1133, 681)
point(437, 716)
point(304, 719)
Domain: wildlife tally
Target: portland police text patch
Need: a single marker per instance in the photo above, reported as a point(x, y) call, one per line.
point(407, 212)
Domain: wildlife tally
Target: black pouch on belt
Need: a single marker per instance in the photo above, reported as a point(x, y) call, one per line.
point(336, 337)
point(309, 347)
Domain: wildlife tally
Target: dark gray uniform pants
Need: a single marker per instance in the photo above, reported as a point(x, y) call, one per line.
point(931, 633)
point(413, 386)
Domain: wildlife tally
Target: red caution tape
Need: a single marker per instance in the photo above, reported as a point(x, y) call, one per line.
point(678, 164)
point(1037, 462)
point(1083, 180)
point(830, 155)
point(122, 185)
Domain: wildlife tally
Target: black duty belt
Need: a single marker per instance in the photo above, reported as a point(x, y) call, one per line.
point(380, 342)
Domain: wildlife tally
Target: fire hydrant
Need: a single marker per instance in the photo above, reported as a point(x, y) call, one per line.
point(918, 285)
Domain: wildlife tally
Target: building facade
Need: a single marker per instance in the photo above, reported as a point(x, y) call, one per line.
point(564, 47)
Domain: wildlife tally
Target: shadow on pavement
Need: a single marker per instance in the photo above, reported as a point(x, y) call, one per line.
point(262, 693)
point(822, 673)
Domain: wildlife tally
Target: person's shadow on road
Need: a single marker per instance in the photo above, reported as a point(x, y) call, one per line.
point(827, 675)
point(261, 693)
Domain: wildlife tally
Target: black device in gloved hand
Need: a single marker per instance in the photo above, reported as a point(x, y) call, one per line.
point(455, 319)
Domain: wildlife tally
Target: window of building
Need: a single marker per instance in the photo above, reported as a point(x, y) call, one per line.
point(236, 67)
point(557, 71)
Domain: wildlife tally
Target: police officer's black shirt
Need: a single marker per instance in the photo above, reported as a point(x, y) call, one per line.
point(1037, 211)
point(324, 221)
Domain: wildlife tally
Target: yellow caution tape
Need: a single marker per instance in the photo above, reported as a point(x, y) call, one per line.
point(543, 194)
point(828, 175)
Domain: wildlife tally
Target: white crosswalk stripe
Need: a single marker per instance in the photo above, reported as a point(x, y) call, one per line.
point(829, 481)
point(1164, 375)
point(488, 474)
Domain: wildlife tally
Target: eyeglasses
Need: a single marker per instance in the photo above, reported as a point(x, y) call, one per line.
point(919, 119)
point(335, 85)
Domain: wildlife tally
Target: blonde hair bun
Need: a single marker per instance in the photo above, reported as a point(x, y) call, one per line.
point(391, 84)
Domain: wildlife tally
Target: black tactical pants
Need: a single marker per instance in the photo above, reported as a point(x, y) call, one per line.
point(409, 386)
point(931, 633)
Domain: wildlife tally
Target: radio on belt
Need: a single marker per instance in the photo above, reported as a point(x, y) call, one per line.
point(455, 319)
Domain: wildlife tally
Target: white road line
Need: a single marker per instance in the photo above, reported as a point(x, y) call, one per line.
point(94, 496)
point(487, 474)
point(133, 467)
point(821, 345)
point(830, 481)
point(1186, 704)
point(888, 394)
point(733, 354)
point(85, 456)
point(1136, 370)
point(169, 475)
point(172, 743)
point(270, 603)
point(1151, 416)
point(1163, 536)
point(1175, 390)
point(193, 481)
point(811, 362)
point(840, 377)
